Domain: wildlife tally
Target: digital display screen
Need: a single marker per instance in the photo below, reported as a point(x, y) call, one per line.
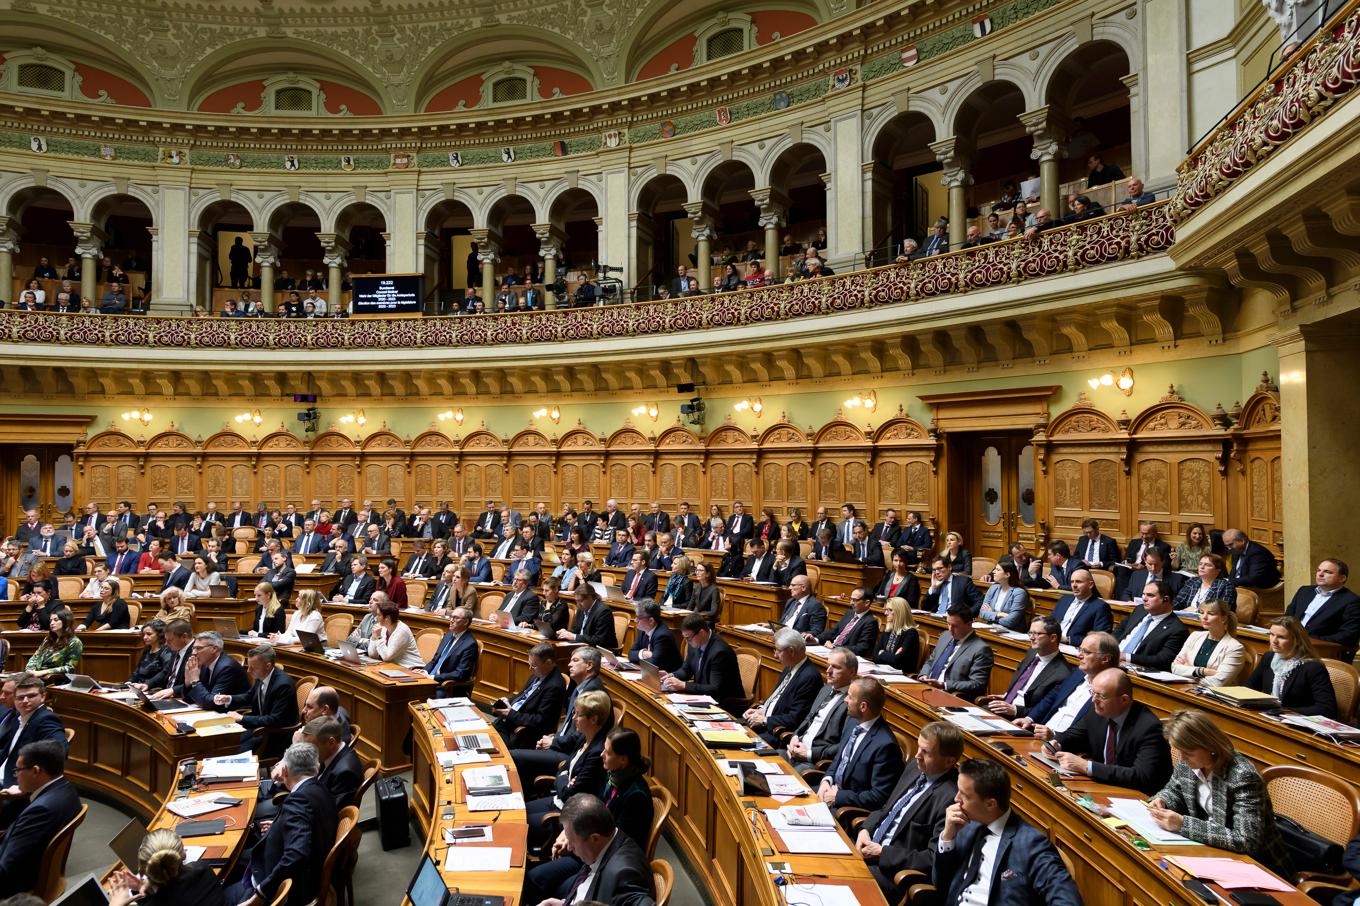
point(387, 294)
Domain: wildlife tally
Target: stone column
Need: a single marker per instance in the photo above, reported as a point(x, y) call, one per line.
point(488, 253)
point(956, 155)
point(549, 249)
point(334, 251)
point(427, 245)
point(1049, 128)
point(150, 292)
point(89, 249)
point(267, 257)
point(200, 266)
point(774, 206)
point(877, 236)
point(9, 247)
point(703, 234)
point(1318, 374)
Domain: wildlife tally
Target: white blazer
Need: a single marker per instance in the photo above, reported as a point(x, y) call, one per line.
point(1227, 659)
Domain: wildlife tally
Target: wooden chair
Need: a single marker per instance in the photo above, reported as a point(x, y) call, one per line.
point(372, 770)
point(805, 551)
point(498, 571)
point(1324, 803)
point(814, 572)
point(663, 803)
point(663, 876)
point(51, 881)
point(617, 711)
point(608, 578)
point(1272, 601)
point(427, 640)
point(1345, 679)
point(246, 565)
point(1103, 578)
point(124, 587)
point(1248, 607)
point(281, 896)
point(70, 735)
point(488, 602)
point(395, 551)
point(621, 623)
point(246, 533)
point(982, 567)
point(134, 614)
point(338, 626)
point(1249, 659)
point(748, 662)
point(416, 589)
point(923, 649)
point(334, 879)
point(69, 587)
point(354, 730)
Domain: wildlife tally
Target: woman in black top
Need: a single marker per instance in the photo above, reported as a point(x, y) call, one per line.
point(899, 644)
point(109, 612)
point(554, 610)
point(1293, 674)
point(269, 615)
point(731, 280)
point(707, 599)
point(170, 881)
point(960, 560)
point(153, 670)
point(71, 562)
point(38, 608)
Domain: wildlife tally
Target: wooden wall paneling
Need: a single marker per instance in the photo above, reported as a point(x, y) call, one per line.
point(1081, 455)
point(1179, 468)
point(784, 464)
point(172, 470)
point(580, 465)
point(841, 466)
point(434, 471)
point(531, 471)
point(277, 452)
point(904, 459)
point(482, 456)
point(1256, 501)
point(628, 468)
point(730, 456)
point(679, 460)
point(385, 457)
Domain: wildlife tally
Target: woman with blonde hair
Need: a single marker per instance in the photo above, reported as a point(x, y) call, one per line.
point(171, 880)
point(679, 587)
point(1212, 655)
point(899, 644)
point(1292, 672)
point(307, 617)
point(960, 560)
point(269, 616)
point(71, 562)
point(174, 607)
point(1215, 795)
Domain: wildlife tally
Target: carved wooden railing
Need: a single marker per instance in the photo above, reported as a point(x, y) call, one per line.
point(1061, 250)
point(1324, 72)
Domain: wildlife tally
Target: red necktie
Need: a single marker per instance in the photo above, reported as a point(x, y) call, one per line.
point(1110, 730)
point(632, 589)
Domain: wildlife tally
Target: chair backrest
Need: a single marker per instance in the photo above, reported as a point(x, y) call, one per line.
point(1248, 607)
point(304, 686)
point(325, 890)
point(416, 590)
point(663, 803)
point(1103, 578)
point(281, 895)
point(372, 769)
point(814, 573)
point(51, 881)
point(923, 649)
point(748, 662)
point(488, 602)
point(355, 731)
point(70, 735)
point(1249, 659)
point(69, 587)
point(621, 624)
point(619, 709)
point(125, 587)
point(427, 640)
point(1324, 803)
point(663, 876)
point(1345, 679)
point(805, 551)
point(497, 571)
point(244, 533)
point(247, 564)
point(982, 567)
point(134, 614)
point(609, 579)
point(338, 626)
point(395, 548)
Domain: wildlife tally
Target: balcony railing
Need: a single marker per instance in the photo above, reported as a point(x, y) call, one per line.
point(1061, 250)
point(1324, 72)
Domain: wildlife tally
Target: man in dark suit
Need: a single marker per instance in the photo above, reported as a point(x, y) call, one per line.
point(445, 519)
point(509, 543)
point(420, 565)
point(271, 702)
point(787, 563)
point(520, 602)
point(122, 561)
point(740, 526)
point(1070, 700)
point(1023, 868)
point(616, 870)
point(455, 660)
point(33, 722)
point(658, 520)
point(51, 803)
point(869, 761)
point(820, 733)
point(1151, 636)
point(915, 534)
point(947, 587)
point(238, 517)
point(488, 527)
point(209, 674)
point(298, 840)
point(310, 542)
point(337, 561)
point(639, 583)
point(710, 666)
point(1082, 611)
point(534, 711)
point(1041, 669)
point(342, 772)
point(823, 521)
point(179, 638)
point(613, 517)
point(1154, 567)
point(1252, 565)
point(799, 682)
point(1329, 610)
point(858, 629)
point(1148, 536)
point(588, 518)
point(92, 519)
point(756, 566)
point(594, 623)
point(281, 576)
point(1119, 741)
point(867, 552)
point(653, 641)
point(47, 542)
point(804, 613)
point(1062, 565)
point(888, 530)
point(183, 543)
point(551, 749)
point(621, 551)
point(358, 586)
point(1094, 549)
point(961, 663)
point(686, 524)
point(898, 835)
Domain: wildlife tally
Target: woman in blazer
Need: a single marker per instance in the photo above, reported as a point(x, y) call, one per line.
point(1006, 602)
point(1213, 585)
point(71, 562)
point(900, 582)
point(170, 879)
point(391, 584)
point(1292, 673)
point(584, 772)
point(707, 599)
point(960, 560)
point(1239, 817)
point(269, 615)
point(1212, 655)
point(679, 587)
point(153, 670)
point(899, 644)
point(554, 609)
point(109, 612)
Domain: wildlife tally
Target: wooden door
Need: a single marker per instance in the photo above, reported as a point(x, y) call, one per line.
point(1001, 503)
point(36, 476)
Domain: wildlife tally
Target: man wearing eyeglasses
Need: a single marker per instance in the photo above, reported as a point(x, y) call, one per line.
point(1040, 671)
point(1119, 741)
point(36, 722)
point(857, 630)
point(50, 804)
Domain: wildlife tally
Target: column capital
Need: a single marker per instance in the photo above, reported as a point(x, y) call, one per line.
point(266, 249)
point(334, 249)
point(1049, 127)
point(954, 152)
point(956, 177)
point(550, 241)
point(89, 239)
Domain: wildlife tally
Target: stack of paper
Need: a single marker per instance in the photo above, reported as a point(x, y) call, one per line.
point(197, 805)
point(820, 895)
point(478, 858)
point(447, 760)
point(1323, 725)
point(505, 802)
point(808, 829)
point(682, 698)
point(1230, 873)
point(756, 627)
point(1135, 814)
point(481, 781)
point(821, 651)
point(981, 726)
point(229, 767)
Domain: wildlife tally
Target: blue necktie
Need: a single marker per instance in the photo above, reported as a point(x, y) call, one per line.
point(524, 696)
point(943, 659)
point(847, 752)
point(1137, 638)
point(448, 649)
point(945, 597)
point(888, 824)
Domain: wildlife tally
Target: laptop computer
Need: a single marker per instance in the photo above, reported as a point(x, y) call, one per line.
point(427, 888)
point(545, 629)
point(774, 625)
point(311, 642)
point(127, 842)
point(79, 682)
point(87, 893)
point(651, 675)
point(168, 704)
point(219, 590)
point(350, 655)
point(227, 629)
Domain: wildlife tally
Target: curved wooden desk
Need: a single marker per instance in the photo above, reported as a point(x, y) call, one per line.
point(1110, 869)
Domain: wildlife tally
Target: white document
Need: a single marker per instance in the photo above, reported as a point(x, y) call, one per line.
point(822, 842)
point(447, 760)
point(821, 651)
point(198, 805)
point(194, 718)
point(816, 816)
point(978, 725)
point(219, 730)
point(819, 895)
point(787, 785)
point(478, 858)
point(1135, 814)
point(890, 680)
point(460, 712)
point(495, 775)
point(194, 853)
point(465, 726)
point(505, 802)
point(730, 766)
point(757, 627)
point(684, 698)
point(459, 701)
point(1069, 650)
point(1164, 676)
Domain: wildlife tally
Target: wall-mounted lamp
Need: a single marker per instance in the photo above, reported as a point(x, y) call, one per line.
point(252, 417)
point(866, 401)
point(138, 415)
point(455, 415)
point(356, 418)
point(1124, 382)
point(751, 405)
point(648, 409)
point(554, 413)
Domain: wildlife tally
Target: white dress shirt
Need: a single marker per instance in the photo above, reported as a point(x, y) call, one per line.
point(979, 892)
point(1064, 717)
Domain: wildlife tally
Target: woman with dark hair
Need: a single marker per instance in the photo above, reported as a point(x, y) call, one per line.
point(800, 528)
point(767, 529)
point(1006, 602)
point(1196, 545)
point(390, 583)
point(59, 652)
point(706, 596)
point(109, 612)
point(1213, 585)
point(153, 670)
point(554, 609)
point(900, 582)
point(577, 540)
point(731, 280)
point(637, 532)
point(1292, 672)
point(626, 795)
